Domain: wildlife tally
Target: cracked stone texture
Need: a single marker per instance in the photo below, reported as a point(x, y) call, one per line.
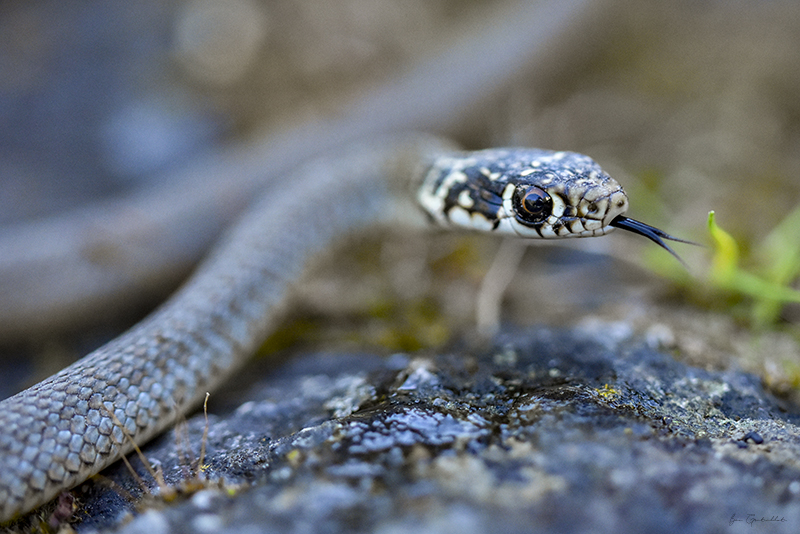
point(549, 430)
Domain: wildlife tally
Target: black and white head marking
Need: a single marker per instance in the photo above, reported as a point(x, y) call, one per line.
point(526, 192)
point(529, 193)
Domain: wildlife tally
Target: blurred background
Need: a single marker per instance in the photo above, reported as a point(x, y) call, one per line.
point(692, 105)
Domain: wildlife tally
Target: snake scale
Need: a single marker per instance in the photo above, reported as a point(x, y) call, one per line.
point(70, 426)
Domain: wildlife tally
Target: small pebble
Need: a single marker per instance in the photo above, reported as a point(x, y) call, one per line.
point(755, 437)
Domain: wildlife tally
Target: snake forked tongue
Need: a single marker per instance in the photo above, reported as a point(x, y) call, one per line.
point(650, 232)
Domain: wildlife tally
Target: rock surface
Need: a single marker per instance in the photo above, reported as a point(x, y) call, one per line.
point(586, 429)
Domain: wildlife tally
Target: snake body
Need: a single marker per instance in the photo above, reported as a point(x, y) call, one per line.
point(70, 426)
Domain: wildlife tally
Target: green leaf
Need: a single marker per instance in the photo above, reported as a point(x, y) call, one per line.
point(769, 292)
point(726, 253)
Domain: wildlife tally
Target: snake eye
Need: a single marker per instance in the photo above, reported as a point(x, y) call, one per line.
point(532, 205)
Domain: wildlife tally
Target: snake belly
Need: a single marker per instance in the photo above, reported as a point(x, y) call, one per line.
point(65, 429)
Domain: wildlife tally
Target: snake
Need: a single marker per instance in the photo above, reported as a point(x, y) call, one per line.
point(70, 426)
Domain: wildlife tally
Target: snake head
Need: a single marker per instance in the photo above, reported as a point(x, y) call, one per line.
point(530, 193)
point(563, 195)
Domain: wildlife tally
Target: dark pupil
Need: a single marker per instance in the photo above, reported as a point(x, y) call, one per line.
point(534, 202)
point(533, 205)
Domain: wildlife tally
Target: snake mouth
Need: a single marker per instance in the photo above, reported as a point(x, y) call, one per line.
point(650, 232)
